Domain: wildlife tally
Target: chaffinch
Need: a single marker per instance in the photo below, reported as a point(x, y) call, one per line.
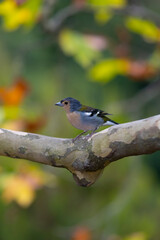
point(84, 117)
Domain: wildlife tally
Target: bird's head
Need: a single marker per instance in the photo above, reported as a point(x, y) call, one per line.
point(69, 104)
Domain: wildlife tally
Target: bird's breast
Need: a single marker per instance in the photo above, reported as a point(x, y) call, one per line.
point(76, 121)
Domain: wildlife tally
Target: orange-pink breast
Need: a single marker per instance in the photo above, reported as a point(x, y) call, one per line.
point(75, 119)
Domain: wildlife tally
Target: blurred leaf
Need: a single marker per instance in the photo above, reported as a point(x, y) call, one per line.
point(12, 116)
point(81, 233)
point(75, 44)
point(136, 236)
point(16, 125)
point(21, 124)
point(14, 95)
point(108, 3)
point(18, 189)
point(36, 124)
point(145, 28)
point(17, 13)
point(12, 112)
point(21, 186)
point(106, 70)
point(102, 16)
point(140, 70)
point(96, 42)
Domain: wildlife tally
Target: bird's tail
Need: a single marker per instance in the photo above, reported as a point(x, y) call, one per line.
point(109, 122)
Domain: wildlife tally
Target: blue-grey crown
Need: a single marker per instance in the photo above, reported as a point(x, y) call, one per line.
point(74, 104)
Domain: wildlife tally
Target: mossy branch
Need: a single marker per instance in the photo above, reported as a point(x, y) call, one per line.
point(85, 158)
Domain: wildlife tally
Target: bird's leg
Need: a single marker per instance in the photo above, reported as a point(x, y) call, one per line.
point(77, 137)
point(91, 134)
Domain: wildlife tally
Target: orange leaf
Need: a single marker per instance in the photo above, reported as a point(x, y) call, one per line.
point(36, 125)
point(81, 233)
point(25, 125)
point(15, 94)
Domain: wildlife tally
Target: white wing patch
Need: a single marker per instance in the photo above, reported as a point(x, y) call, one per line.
point(97, 112)
point(92, 113)
point(108, 123)
point(87, 113)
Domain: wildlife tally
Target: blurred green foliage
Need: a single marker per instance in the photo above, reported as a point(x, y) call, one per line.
point(106, 54)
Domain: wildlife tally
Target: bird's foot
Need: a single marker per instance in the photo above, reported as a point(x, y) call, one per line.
point(78, 137)
point(88, 136)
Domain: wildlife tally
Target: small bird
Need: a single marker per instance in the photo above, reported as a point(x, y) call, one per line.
point(84, 117)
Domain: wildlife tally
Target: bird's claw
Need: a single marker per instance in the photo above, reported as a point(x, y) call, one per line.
point(87, 137)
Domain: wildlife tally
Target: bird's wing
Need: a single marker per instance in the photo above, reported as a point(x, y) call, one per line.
point(93, 111)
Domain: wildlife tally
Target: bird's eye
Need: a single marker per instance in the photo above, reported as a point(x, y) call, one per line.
point(65, 103)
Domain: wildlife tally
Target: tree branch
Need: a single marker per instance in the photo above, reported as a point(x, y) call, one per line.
point(85, 159)
point(54, 23)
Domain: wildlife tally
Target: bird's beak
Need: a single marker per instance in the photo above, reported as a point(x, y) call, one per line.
point(59, 104)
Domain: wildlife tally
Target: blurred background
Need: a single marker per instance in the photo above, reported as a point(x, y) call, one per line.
point(105, 53)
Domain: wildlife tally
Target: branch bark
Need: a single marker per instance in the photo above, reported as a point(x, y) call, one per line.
point(85, 159)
